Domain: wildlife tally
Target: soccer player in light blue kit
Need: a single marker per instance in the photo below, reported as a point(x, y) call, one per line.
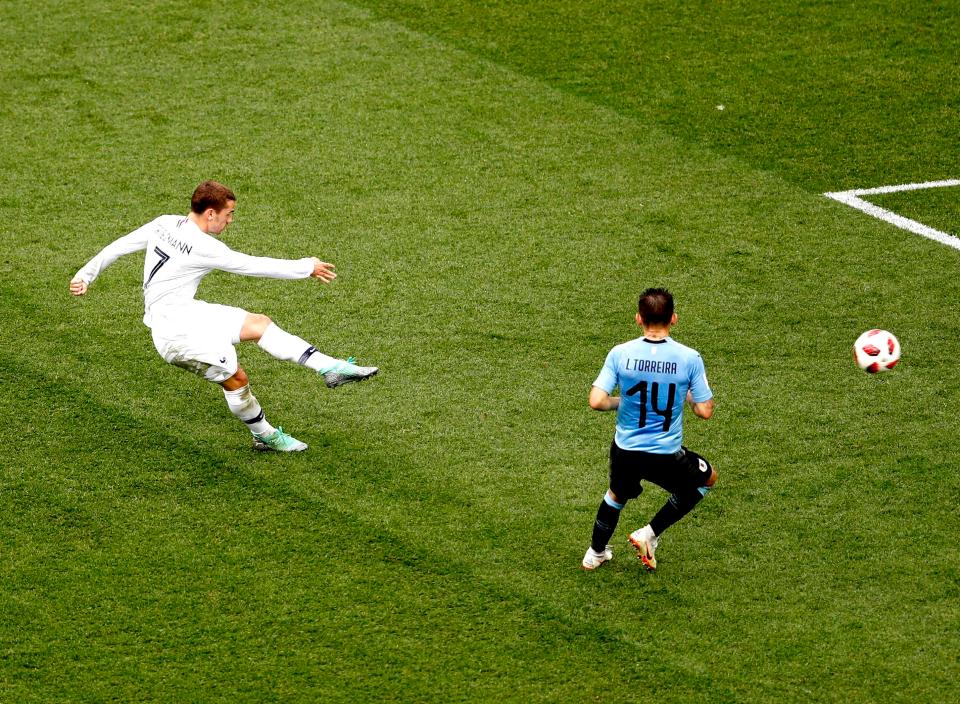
point(656, 375)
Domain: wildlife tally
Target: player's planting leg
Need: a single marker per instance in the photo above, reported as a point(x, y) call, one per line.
point(593, 559)
point(608, 515)
point(244, 405)
point(278, 441)
point(335, 372)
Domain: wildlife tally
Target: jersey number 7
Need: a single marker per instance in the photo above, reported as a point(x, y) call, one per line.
point(164, 257)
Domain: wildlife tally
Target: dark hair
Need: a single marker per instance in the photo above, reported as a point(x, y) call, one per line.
point(656, 306)
point(211, 194)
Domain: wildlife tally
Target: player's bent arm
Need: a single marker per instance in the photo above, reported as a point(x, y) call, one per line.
point(600, 400)
point(704, 409)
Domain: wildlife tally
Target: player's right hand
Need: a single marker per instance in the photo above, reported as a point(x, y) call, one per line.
point(78, 287)
point(323, 271)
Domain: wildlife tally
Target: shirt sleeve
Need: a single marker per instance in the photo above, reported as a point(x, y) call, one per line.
point(607, 379)
point(699, 387)
point(133, 242)
point(225, 259)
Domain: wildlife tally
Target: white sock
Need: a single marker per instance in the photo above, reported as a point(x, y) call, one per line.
point(244, 405)
point(291, 348)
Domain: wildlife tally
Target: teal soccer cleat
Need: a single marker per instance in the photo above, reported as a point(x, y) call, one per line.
point(278, 441)
point(346, 372)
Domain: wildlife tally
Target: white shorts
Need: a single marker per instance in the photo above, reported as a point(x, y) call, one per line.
point(200, 338)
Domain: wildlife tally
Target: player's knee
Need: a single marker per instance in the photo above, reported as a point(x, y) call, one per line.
point(254, 325)
point(237, 381)
point(260, 321)
point(614, 500)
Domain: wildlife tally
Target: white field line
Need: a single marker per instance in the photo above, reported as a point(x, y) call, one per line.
point(852, 198)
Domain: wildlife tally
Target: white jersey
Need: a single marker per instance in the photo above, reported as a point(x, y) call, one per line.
point(178, 255)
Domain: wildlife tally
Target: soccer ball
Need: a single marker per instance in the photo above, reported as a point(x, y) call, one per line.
point(876, 351)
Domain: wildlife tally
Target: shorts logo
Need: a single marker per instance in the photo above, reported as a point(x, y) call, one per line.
point(223, 360)
point(704, 467)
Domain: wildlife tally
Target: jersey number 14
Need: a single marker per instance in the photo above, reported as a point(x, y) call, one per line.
point(654, 394)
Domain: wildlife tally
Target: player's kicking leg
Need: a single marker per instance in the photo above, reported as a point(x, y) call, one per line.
point(282, 345)
point(344, 371)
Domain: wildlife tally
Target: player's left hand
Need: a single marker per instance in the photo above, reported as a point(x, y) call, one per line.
point(78, 287)
point(323, 271)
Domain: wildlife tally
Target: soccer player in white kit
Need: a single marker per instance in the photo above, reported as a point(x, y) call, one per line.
point(200, 336)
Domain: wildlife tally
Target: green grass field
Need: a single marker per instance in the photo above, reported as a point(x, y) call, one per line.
point(496, 183)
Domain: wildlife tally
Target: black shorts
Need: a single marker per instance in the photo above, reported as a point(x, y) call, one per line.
point(678, 473)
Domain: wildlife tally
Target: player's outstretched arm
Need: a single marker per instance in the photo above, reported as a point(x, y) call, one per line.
point(78, 287)
point(323, 271)
point(219, 256)
point(133, 242)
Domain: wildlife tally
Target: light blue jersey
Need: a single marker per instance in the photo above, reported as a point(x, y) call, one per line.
point(653, 376)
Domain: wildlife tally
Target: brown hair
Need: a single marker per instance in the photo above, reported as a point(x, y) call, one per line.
point(656, 306)
point(211, 194)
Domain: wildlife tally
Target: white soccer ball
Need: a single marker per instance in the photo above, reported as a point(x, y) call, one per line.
point(876, 351)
